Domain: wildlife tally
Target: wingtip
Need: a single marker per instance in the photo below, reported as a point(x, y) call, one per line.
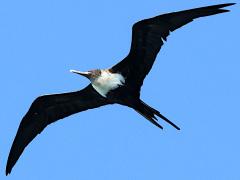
point(226, 4)
point(8, 171)
point(230, 4)
point(218, 7)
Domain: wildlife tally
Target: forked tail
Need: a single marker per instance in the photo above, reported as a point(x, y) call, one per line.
point(149, 113)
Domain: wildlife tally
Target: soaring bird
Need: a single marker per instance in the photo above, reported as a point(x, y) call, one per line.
point(119, 84)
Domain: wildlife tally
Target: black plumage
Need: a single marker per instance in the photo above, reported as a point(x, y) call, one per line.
point(147, 38)
point(48, 109)
point(149, 35)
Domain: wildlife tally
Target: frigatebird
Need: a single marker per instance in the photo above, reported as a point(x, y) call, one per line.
point(119, 84)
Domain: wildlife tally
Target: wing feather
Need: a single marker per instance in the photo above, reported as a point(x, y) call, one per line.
point(46, 110)
point(149, 35)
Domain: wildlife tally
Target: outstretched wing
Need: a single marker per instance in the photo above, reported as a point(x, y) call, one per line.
point(147, 39)
point(48, 109)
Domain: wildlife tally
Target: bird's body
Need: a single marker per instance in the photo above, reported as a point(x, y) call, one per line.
point(107, 81)
point(119, 84)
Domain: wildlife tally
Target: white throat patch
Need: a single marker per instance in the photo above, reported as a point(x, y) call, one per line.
point(107, 81)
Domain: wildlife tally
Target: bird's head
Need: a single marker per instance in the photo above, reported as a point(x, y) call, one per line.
point(91, 75)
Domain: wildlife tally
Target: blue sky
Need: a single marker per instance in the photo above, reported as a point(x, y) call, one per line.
point(194, 82)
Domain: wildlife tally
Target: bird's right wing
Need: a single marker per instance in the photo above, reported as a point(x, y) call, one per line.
point(149, 35)
point(48, 109)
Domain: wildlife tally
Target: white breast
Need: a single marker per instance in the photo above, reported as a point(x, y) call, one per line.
point(107, 81)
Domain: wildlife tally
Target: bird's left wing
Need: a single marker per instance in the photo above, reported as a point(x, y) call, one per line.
point(48, 109)
point(148, 36)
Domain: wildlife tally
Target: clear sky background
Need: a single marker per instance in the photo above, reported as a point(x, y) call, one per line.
point(194, 82)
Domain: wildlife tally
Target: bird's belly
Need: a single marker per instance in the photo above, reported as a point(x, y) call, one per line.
point(107, 82)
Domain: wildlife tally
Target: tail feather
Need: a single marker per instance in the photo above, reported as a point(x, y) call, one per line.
point(149, 113)
point(149, 117)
